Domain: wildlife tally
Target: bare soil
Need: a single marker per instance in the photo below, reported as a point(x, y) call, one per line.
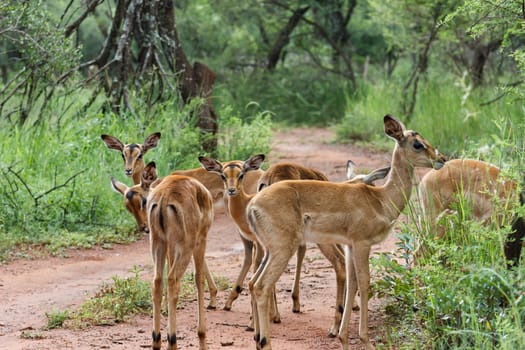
point(30, 288)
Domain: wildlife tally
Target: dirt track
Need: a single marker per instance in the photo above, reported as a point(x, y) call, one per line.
point(30, 288)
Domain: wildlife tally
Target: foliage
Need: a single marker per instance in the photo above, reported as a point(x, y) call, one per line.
point(56, 318)
point(459, 294)
point(308, 99)
point(33, 46)
point(243, 139)
point(55, 185)
point(449, 114)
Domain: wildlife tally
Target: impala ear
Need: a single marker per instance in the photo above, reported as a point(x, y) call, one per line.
point(118, 186)
point(394, 128)
point(149, 174)
point(350, 166)
point(151, 142)
point(112, 142)
point(254, 162)
point(377, 174)
point(210, 164)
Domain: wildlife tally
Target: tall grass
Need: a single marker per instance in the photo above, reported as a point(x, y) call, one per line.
point(447, 113)
point(460, 294)
point(55, 185)
point(309, 98)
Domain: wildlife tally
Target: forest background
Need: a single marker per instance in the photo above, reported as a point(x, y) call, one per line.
point(216, 77)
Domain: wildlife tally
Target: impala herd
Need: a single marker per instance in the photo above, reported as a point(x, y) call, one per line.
point(279, 210)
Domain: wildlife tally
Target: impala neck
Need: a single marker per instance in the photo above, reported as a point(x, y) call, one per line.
point(398, 186)
point(137, 175)
point(237, 204)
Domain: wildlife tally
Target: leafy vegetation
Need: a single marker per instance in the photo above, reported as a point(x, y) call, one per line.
point(459, 294)
point(55, 185)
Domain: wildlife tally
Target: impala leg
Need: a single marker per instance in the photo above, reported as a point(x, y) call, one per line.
point(351, 288)
point(212, 287)
point(246, 264)
point(256, 275)
point(274, 311)
point(158, 253)
point(176, 268)
point(301, 251)
point(200, 267)
point(335, 255)
point(362, 266)
point(263, 287)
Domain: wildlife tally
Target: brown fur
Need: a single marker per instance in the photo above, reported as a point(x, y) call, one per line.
point(290, 213)
point(132, 153)
point(180, 213)
point(487, 194)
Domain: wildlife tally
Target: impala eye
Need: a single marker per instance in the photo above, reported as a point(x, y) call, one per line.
point(140, 156)
point(418, 146)
point(241, 176)
point(223, 177)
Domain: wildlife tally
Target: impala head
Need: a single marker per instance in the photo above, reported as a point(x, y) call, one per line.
point(132, 153)
point(418, 151)
point(135, 196)
point(232, 173)
point(369, 179)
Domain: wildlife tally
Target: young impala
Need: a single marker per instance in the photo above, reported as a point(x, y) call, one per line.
point(333, 252)
point(487, 194)
point(289, 213)
point(132, 153)
point(136, 201)
point(232, 174)
point(180, 213)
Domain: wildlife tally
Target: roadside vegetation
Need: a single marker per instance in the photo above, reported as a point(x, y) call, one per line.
point(452, 70)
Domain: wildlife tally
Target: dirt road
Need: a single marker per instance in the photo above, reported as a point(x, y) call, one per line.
point(30, 288)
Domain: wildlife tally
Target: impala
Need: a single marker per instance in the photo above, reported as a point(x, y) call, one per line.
point(487, 194)
point(136, 201)
point(232, 174)
point(334, 253)
point(180, 213)
point(289, 213)
point(132, 153)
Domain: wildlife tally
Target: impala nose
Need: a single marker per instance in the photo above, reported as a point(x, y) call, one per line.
point(232, 191)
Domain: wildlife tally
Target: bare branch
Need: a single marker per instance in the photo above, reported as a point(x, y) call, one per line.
point(92, 5)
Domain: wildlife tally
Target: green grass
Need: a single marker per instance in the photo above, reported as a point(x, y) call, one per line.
point(449, 117)
point(55, 185)
point(120, 300)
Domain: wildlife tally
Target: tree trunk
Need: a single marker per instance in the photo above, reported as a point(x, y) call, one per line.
point(481, 56)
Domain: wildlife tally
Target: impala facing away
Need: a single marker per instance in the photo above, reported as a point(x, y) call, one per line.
point(180, 213)
point(132, 153)
point(334, 253)
point(487, 194)
point(358, 216)
point(136, 201)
